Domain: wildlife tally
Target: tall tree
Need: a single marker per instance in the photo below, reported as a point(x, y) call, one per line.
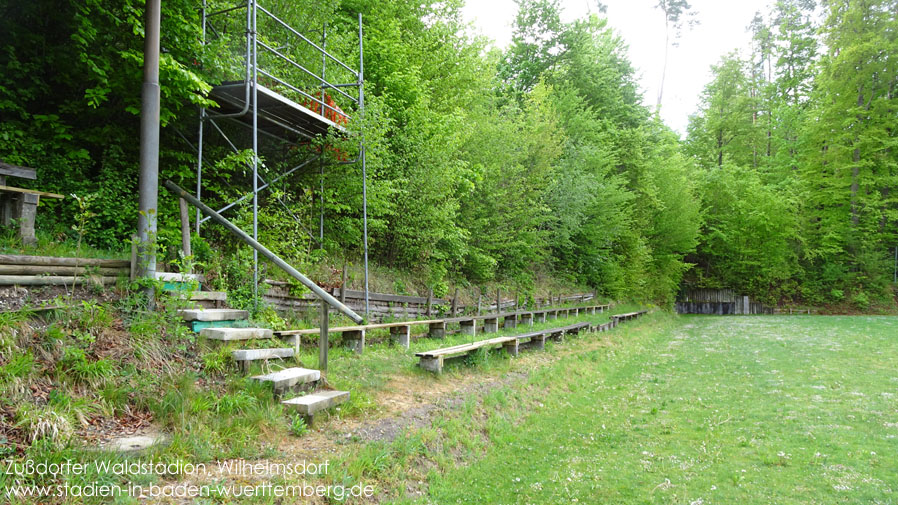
point(677, 15)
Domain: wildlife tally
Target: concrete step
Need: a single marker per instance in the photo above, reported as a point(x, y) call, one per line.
point(227, 334)
point(311, 404)
point(289, 378)
point(244, 357)
point(257, 354)
point(209, 296)
point(212, 315)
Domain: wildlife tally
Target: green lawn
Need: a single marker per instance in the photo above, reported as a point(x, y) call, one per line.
point(700, 410)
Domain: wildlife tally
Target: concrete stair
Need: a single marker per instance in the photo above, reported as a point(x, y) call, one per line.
point(245, 357)
point(311, 404)
point(198, 319)
point(289, 379)
point(229, 334)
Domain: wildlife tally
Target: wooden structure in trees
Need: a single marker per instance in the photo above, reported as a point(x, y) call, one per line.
point(19, 205)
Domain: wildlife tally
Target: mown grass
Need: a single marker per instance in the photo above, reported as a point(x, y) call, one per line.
point(696, 410)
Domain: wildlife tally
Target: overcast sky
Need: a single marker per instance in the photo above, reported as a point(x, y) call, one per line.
point(722, 29)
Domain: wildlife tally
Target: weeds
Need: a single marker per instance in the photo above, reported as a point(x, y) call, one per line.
point(298, 426)
point(74, 364)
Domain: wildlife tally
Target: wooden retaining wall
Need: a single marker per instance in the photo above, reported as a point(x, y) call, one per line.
point(389, 305)
point(25, 270)
point(718, 302)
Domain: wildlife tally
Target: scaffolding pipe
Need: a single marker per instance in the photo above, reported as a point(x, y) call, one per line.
point(321, 159)
point(364, 175)
point(148, 198)
point(255, 159)
point(324, 295)
point(199, 144)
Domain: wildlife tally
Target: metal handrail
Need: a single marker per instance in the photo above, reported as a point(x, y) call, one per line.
point(304, 69)
point(303, 37)
point(303, 93)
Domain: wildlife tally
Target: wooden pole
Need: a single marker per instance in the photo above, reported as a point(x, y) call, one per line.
point(498, 301)
point(185, 228)
point(322, 338)
point(429, 300)
point(479, 301)
point(455, 303)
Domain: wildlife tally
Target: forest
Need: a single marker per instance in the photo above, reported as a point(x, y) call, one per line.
point(486, 165)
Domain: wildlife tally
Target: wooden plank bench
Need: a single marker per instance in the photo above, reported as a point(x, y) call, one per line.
point(400, 332)
point(627, 316)
point(433, 360)
point(20, 204)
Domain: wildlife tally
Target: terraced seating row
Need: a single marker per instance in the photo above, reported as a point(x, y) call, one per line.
point(400, 332)
point(433, 360)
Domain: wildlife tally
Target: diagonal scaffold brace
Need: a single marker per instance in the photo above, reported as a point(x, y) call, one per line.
point(264, 251)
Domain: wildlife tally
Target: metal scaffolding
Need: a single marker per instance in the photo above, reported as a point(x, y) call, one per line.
point(278, 107)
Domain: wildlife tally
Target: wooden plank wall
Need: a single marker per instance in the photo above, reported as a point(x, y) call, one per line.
point(718, 302)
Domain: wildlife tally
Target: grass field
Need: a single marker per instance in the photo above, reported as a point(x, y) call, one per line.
point(699, 410)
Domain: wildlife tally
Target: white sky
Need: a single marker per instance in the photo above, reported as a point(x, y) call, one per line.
point(722, 29)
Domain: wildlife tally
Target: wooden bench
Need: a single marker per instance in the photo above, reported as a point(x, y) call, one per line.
point(618, 318)
point(19, 204)
point(400, 332)
point(433, 360)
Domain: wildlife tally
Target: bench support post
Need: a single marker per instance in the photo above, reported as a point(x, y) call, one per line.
point(468, 327)
point(511, 347)
point(26, 210)
point(552, 314)
point(538, 342)
point(509, 322)
point(491, 325)
point(356, 340)
point(437, 330)
point(401, 335)
point(434, 365)
point(527, 319)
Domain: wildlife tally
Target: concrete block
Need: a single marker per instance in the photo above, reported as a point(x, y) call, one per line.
point(401, 335)
point(491, 325)
point(437, 330)
point(511, 347)
point(434, 365)
point(355, 339)
point(468, 327)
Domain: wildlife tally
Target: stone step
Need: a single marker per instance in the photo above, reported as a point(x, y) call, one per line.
point(227, 334)
point(212, 315)
point(289, 378)
point(257, 354)
point(209, 296)
point(244, 357)
point(310, 404)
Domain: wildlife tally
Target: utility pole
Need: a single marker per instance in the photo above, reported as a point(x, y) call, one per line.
point(148, 199)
